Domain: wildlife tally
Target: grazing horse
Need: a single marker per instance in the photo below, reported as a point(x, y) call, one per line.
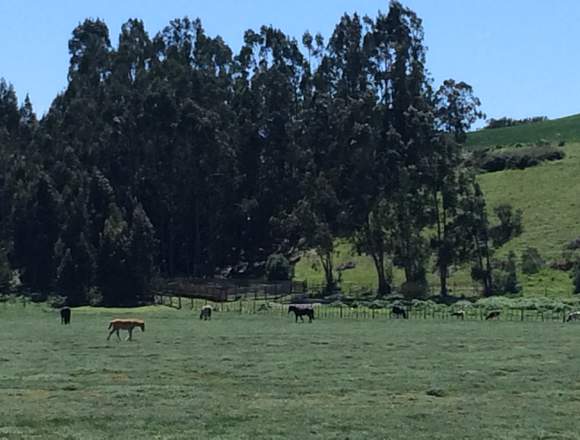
point(492, 315)
point(65, 315)
point(399, 311)
point(459, 313)
point(125, 324)
point(300, 310)
point(205, 313)
point(573, 316)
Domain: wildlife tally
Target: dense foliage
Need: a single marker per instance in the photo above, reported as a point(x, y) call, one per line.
point(172, 155)
point(519, 157)
point(509, 122)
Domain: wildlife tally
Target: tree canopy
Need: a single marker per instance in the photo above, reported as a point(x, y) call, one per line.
point(172, 155)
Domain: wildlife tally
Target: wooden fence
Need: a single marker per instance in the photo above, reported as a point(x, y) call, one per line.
point(326, 311)
point(225, 290)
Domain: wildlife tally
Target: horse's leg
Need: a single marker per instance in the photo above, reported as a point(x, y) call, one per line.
point(118, 337)
point(110, 333)
point(130, 337)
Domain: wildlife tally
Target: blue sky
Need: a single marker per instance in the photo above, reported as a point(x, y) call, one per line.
point(521, 56)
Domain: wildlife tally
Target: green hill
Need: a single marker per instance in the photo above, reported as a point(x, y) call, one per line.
point(549, 195)
point(563, 129)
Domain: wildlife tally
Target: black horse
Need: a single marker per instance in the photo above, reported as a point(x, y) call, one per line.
point(399, 311)
point(300, 310)
point(492, 315)
point(205, 313)
point(65, 315)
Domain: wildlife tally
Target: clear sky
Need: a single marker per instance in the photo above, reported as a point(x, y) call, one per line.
point(521, 56)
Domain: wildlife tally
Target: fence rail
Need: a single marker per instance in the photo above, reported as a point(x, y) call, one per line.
point(326, 311)
point(224, 290)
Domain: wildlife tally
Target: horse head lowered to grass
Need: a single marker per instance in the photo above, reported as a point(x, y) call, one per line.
point(300, 310)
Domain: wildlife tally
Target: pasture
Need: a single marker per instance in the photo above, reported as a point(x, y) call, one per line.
point(263, 377)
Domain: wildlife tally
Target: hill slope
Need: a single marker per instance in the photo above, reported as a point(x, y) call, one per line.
point(548, 194)
point(563, 129)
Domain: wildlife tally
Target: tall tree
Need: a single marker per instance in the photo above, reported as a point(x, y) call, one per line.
point(456, 109)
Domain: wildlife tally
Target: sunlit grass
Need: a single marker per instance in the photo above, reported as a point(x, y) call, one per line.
point(264, 377)
point(563, 129)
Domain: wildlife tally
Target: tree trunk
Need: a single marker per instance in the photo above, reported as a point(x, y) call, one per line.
point(488, 273)
point(483, 253)
point(384, 286)
point(197, 241)
point(328, 267)
point(441, 243)
point(171, 248)
point(443, 274)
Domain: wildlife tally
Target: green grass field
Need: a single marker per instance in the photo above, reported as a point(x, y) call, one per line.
point(264, 377)
point(562, 129)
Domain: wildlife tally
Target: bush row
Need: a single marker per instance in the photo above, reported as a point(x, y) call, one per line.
point(509, 122)
point(516, 158)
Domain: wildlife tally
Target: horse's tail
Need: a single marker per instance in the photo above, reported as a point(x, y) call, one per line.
point(110, 325)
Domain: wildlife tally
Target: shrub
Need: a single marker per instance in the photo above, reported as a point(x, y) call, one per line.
point(573, 244)
point(510, 224)
point(576, 278)
point(532, 262)
point(414, 290)
point(516, 158)
point(95, 297)
point(509, 122)
point(278, 268)
point(505, 278)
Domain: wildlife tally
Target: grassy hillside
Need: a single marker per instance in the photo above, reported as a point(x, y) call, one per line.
point(549, 195)
point(563, 129)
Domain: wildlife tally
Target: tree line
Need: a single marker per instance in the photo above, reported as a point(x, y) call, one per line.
point(509, 122)
point(171, 155)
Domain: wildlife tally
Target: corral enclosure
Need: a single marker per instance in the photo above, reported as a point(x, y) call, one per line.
point(246, 376)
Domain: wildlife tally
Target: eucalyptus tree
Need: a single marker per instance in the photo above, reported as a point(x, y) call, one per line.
point(271, 78)
point(456, 108)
